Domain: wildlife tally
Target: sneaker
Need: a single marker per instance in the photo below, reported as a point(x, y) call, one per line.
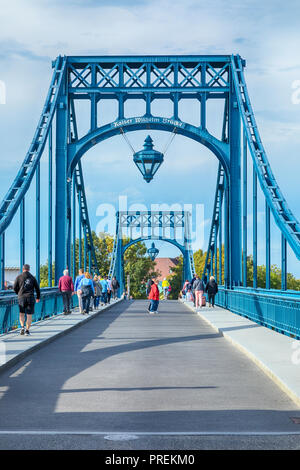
point(22, 331)
point(27, 333)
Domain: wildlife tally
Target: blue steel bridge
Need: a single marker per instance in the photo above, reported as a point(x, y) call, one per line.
point(243, 169)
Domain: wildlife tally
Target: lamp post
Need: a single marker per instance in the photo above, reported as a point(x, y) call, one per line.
point(153, 251)
point(148, 160)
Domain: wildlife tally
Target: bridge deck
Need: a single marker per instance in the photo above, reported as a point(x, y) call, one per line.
point(128, 371)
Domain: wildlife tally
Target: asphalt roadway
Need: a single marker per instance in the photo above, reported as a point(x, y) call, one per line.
point(130, 380)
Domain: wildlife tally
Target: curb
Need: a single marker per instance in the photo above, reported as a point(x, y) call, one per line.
point(279, 382)
point(14, 360)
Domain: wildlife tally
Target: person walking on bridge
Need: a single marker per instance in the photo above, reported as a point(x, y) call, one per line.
point(66, 287)
point(165, 285)
point(198, 288)
point(114, 287)
point(154, 297)
point(24, 286)
point(86, 287)
point(212, 290)
point(76, 288)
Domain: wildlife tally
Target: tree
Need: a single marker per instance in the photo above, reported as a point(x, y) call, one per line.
point(139, 267)
point(175, 279)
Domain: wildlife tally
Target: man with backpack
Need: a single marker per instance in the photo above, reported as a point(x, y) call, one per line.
point(24, 286)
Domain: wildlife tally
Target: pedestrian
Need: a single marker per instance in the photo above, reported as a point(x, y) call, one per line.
point(153, 297)
point(66, 287)
point(114, 287)
point(186, 286)
point(24, 286)
point(104, 285)
point(198, 289)
point(212, 290)
point(165, 285)
point(98, 290)
point(76, 288)
point(86, 287)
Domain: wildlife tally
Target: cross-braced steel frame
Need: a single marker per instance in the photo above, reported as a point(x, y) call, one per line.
point(175, 79)
point(133, 227)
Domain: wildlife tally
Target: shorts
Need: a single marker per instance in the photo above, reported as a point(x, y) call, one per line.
point(26, 305)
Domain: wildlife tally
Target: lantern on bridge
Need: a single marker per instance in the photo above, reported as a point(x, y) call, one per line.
point(153, 251)
point(148, 160)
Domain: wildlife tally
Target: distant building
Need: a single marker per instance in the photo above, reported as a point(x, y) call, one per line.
point(10, 274)
point(164, 265)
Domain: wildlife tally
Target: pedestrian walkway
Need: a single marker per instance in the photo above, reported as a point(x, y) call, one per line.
point(14, 347)
point(277, 354)
point(128, 379)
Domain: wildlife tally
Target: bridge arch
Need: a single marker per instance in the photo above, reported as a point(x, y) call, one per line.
point(77, 149)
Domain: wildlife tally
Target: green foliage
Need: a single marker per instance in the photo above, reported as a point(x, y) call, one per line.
point(175, 279)
point(140, 268)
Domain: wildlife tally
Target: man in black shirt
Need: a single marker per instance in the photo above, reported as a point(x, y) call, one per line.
point(24, 286)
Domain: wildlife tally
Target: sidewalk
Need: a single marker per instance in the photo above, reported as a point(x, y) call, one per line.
point(276, 354)
point(14, 347)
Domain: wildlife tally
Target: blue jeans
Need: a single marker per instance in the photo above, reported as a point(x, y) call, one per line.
point(154, 305)
point(86, 302)
point(104, 297)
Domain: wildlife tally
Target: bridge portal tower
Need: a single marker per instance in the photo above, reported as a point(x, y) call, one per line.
point(133, 227)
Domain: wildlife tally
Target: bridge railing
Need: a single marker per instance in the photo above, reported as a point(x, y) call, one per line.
point(51, 304)
point(279, 310)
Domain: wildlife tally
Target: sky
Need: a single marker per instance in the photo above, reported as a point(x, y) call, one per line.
point(266, 34)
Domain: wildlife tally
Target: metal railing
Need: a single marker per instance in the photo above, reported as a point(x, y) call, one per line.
point(51, 304)
point(279, 311)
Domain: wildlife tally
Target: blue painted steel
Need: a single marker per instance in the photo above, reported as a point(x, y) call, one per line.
point(22, 233)
point(283, 216)
point(50, 304)
point(38, 223)
point(268, 247)
point(150, 220)
point(50, 208)
point(283, 263)
point(275, 310)
point(254, 210)
point(235, 228)
point(148, 160)
point(2, 261)
point(20, 185)
point(149, 78)
point(245, 209)
point(61, 186)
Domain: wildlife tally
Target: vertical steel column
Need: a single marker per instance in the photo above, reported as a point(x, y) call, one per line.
point(244, 209)
point(220, 240)
point(50, 215)
point(226, 235)
point(268, 248)
point(22, 234)
point(90, 262)
point(74, 226)
point(61, 184)
point(84, 248)
point(2, 261)
point(283, 263)
point(93, 98)
point(254, 229)
point(79, 230)
point(216, 254)
point(235, 189)
point(203, 98)
point(38, 222)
